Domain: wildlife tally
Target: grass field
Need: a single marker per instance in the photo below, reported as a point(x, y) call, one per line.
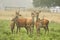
point(5, 33)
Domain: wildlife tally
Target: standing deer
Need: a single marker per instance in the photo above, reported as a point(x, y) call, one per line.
point(27, 23)
point(41, 23)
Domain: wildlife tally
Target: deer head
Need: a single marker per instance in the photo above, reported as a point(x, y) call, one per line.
point(37, 12)
point(32, 14)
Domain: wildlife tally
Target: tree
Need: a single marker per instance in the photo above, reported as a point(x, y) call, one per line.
point(48, 3)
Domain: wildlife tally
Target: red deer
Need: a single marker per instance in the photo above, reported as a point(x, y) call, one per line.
point(42, 23)
point(23, 22)
point(12, 26)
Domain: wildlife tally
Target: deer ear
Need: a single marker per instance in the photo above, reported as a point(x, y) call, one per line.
point(39, 11)
point(32, 14)
point(20, 15)
point(34, 11)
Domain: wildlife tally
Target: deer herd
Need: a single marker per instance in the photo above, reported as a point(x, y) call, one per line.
point(29, 23)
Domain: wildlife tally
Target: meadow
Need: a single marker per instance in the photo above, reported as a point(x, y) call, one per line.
point(5, 32)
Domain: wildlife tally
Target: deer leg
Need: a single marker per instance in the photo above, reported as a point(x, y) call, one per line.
point(12, 30)
point(32, 28)
point(17, 29)
point(12, 27)
point(26, 29)
point(38, 30)
point(29, 30)
point(47, 28)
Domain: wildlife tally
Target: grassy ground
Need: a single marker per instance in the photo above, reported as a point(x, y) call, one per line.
point(5, 33)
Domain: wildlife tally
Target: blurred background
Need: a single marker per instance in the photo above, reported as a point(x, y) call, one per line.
point(50, 9)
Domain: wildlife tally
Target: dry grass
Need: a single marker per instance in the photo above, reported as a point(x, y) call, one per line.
point(10, 14)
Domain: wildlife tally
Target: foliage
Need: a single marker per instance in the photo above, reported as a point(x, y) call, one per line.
point(44, 3)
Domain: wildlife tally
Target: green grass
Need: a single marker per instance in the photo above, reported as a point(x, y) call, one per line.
point(5, 33)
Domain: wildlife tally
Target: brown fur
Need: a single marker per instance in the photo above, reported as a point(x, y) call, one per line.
point(12, 25)
point(42, 24)
point(23, 22)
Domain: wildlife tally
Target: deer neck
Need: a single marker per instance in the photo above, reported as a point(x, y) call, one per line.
point(33, 19)
point(37, 17)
